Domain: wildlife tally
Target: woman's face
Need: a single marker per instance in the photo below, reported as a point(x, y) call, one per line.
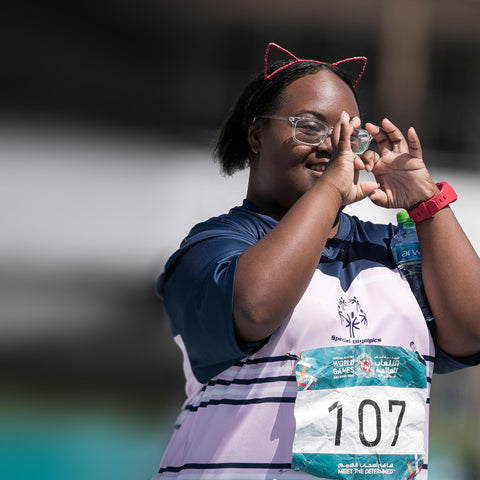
point(282, 170)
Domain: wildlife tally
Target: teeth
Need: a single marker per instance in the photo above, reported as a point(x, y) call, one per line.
point(317, 167)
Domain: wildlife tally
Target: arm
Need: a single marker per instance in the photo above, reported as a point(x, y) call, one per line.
point(451, 272)
point(273, 274)
point(451, 267)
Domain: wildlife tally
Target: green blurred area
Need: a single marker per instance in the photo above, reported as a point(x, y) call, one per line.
point(99, 408)
point(455, 425)
point(75, 439)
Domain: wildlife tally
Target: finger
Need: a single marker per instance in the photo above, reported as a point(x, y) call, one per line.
point(379, 197)
point(414, 143)
point(373, 129)
point(395, 136)
point(355, 122)
point(344, 132)
point(369, 159)
point(366, 189)
point(358, 163)
point(376, 132)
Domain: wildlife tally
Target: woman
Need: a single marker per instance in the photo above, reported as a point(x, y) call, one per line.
point(306, 354)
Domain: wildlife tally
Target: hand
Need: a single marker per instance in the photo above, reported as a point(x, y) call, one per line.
point(399, 169)
point(342, 171)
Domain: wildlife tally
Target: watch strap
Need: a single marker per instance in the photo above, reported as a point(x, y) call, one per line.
point(430, 207)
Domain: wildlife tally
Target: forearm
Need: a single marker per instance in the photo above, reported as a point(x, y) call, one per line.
point(451, 272)
point(273, 274)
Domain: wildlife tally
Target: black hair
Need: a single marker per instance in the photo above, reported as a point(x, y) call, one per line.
point(259, 98)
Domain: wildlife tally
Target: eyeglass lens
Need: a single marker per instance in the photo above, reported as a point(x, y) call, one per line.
point(310, 131)
point(313, 132)
point(360, 140)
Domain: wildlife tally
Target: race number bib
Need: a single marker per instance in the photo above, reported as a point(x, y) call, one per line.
point(360, 412)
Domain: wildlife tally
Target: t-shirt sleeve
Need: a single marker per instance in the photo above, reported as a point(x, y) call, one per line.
point(197, 291)
point(445, 363)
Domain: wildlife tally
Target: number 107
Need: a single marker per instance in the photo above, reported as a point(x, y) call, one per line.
point(362, 408)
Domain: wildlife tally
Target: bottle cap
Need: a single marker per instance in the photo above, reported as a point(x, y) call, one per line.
point(404, 219)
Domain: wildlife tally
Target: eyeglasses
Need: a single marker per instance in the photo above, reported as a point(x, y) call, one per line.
point(311, 131)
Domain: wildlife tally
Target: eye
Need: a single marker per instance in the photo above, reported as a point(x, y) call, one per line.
point(311, 128)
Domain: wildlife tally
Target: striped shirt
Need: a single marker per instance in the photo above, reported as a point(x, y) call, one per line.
point(238, 421)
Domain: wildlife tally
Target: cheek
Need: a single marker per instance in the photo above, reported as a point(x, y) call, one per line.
point(281, 155)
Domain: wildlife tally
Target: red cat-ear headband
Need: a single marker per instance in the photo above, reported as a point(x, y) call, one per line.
point(299, 60)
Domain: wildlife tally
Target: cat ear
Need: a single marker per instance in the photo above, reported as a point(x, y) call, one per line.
point(354, 59)
point(267, 75)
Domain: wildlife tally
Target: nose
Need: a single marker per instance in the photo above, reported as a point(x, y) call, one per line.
point(326, 145)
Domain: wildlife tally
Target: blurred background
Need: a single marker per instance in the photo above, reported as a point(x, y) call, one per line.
point(108, 114)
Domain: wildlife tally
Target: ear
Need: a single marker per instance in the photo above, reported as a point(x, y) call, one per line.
point(255, 138)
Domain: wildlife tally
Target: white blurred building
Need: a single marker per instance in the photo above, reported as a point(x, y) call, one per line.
point(78, 205)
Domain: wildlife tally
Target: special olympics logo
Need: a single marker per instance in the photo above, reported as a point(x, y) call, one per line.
point(364, 366)
point(351, 315)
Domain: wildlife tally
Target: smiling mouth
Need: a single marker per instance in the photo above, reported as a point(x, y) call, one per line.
point(317, 167)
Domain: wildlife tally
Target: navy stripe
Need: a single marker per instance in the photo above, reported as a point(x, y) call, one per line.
point(229, 401)
point(250, 381)
point(252, 361)
point(216, 466)
point(428, 358)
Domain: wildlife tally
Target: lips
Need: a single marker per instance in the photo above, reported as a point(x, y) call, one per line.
point(317, 167)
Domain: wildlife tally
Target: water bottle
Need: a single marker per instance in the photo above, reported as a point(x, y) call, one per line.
point(406, 252)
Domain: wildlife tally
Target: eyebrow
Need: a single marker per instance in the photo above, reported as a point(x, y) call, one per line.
point(319, 116)
point(314, 113)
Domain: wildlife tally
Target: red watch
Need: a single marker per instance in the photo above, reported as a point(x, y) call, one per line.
point(430, 207)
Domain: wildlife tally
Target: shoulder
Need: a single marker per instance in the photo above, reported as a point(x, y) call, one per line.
point(218, 240)
point(243, 222)
point(354, 229)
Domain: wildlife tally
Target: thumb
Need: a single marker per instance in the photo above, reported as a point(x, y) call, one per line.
point(366, 189)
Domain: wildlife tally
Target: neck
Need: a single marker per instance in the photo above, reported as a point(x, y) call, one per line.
point(277, 212)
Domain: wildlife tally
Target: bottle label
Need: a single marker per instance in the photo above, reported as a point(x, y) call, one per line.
point(408, 252)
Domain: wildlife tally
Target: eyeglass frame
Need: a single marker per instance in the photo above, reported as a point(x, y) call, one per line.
point(294, 120)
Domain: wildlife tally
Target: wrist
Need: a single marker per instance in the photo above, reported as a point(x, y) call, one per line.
point(430, 207)
point(331, 191)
